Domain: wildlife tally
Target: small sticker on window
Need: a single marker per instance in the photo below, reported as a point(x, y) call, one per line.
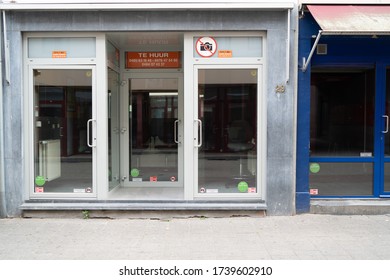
point(251, 190)
point(39, 189)
point(153, 178)
point(314, 167)
point(364, 154)
point(212, 191)
point(313, 191)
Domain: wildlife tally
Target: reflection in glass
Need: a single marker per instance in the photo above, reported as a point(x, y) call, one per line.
point(62, 108)
point(341, 179)
point(153, 121)
point(342, 113)
point(227, 100)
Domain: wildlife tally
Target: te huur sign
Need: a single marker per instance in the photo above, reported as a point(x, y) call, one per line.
point(155, 60)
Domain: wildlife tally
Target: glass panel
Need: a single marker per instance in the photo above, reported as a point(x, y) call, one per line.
point(387, 135)
point(74, 47)
point(62, 108)
point(340, 179)
point(227, 159)
point(342, 113)
point(113, 129)
point(236, 46)
point(153, 114)
point(387, 109)
point(112, 54)
point(387, 177)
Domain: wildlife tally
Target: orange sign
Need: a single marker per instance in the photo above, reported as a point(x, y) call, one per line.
point(58, 54)
point(152, 60)
point(225, 54)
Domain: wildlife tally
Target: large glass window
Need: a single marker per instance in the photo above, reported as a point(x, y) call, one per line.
point(342, 113)
point(62, 149)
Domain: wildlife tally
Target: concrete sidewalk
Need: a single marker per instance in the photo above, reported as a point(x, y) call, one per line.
point(301, 237)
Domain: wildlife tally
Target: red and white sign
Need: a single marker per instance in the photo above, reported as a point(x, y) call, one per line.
point(173, 179)
point(314, 191)
point(251, 190)
point(39, 189)
point(147, 60)
point(206, 46)
point(153, 178)
point(202, 190)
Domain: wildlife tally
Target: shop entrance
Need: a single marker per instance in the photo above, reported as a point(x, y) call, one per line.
point(350, 142)
point(151, 137)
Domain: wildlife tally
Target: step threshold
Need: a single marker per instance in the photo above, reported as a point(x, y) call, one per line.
point(150, 205)
point(350, 206)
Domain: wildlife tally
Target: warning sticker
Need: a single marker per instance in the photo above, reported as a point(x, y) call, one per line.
point(206, 46)
point(39, 189)
point(153, 178)
point(251, 190)
point(314, 191)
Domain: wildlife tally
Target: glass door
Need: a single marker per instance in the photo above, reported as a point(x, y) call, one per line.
point(64, 130)
point(152, 131)
point(226, 131)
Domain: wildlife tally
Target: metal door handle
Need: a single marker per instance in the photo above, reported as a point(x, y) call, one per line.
point(175, 125)
point(387, 123)
point(93, 140)
point(199, 133)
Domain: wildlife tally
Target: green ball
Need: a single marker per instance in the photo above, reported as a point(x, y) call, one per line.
point(40, 180)
point(134, 172)
point(314, 168)
point(243, 186)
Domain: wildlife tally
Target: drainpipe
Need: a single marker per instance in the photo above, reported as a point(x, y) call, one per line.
point(3, 208)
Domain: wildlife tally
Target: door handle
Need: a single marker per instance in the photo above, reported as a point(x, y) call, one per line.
point(387, 123)
point(91, 145)
point(175, 126)
point(200, 140)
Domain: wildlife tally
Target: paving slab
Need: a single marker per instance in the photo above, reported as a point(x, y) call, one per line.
point(301, 237)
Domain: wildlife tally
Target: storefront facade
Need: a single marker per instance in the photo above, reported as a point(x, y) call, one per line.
point(343, 93)
point(138, 106)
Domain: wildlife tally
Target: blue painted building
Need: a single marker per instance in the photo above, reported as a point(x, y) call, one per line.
point(343, 143)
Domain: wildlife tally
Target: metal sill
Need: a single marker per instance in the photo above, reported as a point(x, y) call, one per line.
point(144, 205)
